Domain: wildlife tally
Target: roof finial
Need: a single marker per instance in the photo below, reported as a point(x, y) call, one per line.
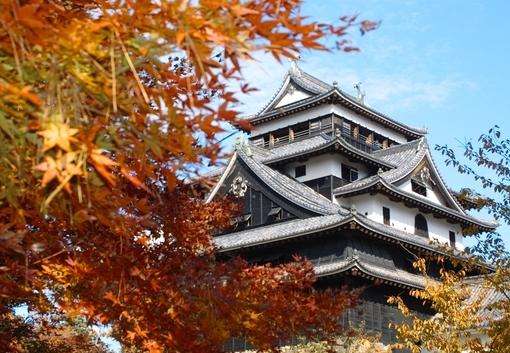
point(294, 68)
point(361, 93)
point(241, 144)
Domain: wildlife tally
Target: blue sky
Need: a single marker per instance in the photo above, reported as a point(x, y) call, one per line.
point(443, 65)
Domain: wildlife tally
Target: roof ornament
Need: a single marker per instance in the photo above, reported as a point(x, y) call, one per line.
point(380, 171)
point(239, 186)
point(294, 68)
point(335, 83)
point(241, 144)
point(421, 144)
point(355, 255)
point(424, 176)
point(353, 209)
point(361, 93)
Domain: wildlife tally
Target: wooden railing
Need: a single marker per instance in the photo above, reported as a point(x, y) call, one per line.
point(360, 142)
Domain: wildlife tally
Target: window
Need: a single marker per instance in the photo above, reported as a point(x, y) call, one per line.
point(420, 225)
point(418, 188)
point(349, 173)
point(321, 185)
point(300, 171)
point(452, 239)
point(386, 215)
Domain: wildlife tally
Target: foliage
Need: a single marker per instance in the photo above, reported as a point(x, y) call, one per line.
point(106, 106)
point(360, 342)
point(473, 314)
point(48, 335)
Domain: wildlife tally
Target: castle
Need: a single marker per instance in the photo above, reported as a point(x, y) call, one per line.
point(353, 190)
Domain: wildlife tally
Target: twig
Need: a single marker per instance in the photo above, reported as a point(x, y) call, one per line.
point(114, 77)
point(133, 69)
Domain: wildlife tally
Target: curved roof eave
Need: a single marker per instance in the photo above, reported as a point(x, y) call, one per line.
point(399, 277)
point(344, 98)
point(295, 192)
point(302, 227)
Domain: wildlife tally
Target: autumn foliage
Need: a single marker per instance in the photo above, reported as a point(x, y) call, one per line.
point(106, 109)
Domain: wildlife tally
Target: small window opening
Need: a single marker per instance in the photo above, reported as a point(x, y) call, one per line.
point(349, 173)
point(300, 171)
point(418, 188)
point(452, 239)
point(420, 225)
point(386, 215)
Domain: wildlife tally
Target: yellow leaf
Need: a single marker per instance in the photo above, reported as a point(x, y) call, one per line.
point(58, 134)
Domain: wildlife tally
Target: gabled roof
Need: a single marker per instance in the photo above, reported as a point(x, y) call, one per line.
point(322, 92)
point(380, 185)
point(296, 76)
point(407, 157)
point(288, 188)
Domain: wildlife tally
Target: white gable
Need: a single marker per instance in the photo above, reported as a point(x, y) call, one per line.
point(427, 175)
point(292, 94)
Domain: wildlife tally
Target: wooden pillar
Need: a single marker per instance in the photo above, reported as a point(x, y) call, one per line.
point(370, 138)
point(355, 131)
point(291, 135)
point(271, 140)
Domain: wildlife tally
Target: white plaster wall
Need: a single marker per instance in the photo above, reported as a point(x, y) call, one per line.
point(402, 217)
point(323, 165)
point(323, 110)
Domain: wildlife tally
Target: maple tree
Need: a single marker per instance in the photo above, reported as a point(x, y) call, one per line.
point(471, 314)
point(106, 107)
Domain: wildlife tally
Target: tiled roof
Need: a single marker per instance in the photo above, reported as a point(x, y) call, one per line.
point(406, 157)
point(293, 149)
point(275, 232)
point(299, 227)
point(487, 295)
point(310, 144)
point(399, 154)
point(303, 80)
point(370, 269)
point(322, 90)
point(379, 182)
point(288, 188)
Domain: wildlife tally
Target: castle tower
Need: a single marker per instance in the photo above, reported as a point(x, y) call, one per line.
point(351, 189)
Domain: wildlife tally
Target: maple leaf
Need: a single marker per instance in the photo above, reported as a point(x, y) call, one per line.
point(103, 164)
point(49, 167)
point(58, 134)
